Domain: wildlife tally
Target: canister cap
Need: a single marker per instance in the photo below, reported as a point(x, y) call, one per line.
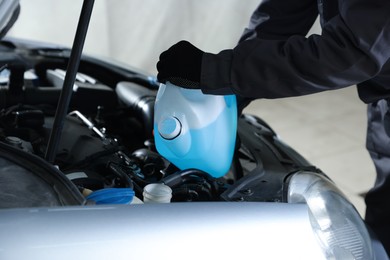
point(169, 128)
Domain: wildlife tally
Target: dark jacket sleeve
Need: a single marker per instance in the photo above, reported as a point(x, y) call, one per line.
point(353, 47)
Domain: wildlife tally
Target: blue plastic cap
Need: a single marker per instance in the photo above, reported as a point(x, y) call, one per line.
point(112, 196)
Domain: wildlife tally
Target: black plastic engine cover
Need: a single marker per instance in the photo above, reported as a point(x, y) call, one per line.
point(267, 165)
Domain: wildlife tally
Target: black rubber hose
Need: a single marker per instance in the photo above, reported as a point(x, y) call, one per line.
point(117, 170)
point(180, 177)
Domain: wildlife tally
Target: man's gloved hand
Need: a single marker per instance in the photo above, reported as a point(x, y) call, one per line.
point(181, 65)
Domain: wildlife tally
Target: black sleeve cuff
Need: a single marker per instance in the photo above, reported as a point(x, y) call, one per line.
point(215, 74)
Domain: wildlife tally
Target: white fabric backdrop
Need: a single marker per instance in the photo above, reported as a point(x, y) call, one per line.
point(137, 31)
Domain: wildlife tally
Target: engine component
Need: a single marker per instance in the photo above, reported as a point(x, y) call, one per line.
point(140, 100)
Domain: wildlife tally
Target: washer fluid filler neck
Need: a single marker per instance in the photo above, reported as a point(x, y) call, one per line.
point(195, 130)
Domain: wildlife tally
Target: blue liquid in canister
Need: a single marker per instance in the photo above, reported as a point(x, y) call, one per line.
point(195, 130)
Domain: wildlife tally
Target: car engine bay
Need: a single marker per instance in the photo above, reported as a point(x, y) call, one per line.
point(107, 138)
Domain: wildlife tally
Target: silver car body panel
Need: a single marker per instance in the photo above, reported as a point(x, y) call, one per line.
point(216, 230)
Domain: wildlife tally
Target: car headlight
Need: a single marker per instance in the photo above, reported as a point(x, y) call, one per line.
point(336, 223)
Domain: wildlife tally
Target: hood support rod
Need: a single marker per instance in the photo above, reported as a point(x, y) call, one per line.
point(67, 89)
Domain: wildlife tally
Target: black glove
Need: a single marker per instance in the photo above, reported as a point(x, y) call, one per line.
point(181, 65)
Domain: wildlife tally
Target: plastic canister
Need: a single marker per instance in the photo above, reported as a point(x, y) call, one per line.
point(195, 130)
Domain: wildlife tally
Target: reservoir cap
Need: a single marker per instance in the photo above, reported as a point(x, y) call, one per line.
point(169, 128)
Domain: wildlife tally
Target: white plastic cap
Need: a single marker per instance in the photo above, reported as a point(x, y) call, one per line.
point(157, 193)
point(169, 128)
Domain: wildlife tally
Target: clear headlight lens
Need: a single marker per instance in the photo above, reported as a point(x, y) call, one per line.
point(336, 223)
